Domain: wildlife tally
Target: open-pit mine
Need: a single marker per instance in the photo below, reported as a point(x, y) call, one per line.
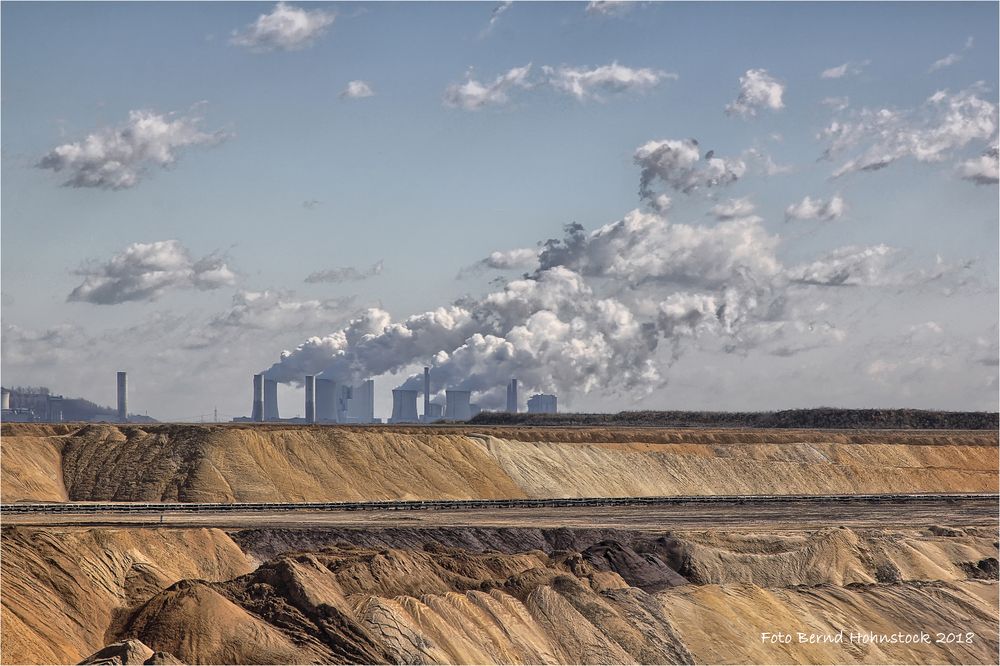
point(276, 543)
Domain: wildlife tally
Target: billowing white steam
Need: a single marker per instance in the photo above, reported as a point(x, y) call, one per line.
point(608, 309)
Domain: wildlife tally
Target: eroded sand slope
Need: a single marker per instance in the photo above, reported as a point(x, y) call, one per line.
point(298, 463)
point(670, 598)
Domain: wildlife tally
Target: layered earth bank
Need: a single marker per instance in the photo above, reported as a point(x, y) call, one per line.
point(279, 463)
point(501, 594)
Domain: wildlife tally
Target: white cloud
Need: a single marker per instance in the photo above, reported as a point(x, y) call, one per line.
point(584, 83)
point(610, 7)
point(945, 123)
point(680, 165)
point(847, 69)
point(758, 90)
point(495, 15)
point(286, 28)
point(836, 103)
point(850, 266)
point(816, 209)
point(951, 58)
point(524, 258)
point(345, 274)
point(118, 158)
point(733, 209)
point(145, 271)
point(982, 170)
point(474, 95)
point(357, 90)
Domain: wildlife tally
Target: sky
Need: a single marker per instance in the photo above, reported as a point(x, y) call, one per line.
point(642, 205)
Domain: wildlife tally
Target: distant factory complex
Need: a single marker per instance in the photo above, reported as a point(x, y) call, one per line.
point(330, 401)
point(326, 401)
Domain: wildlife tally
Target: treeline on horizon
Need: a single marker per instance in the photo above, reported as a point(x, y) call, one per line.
point(823, 418)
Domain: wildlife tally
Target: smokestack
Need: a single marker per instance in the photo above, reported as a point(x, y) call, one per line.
point(310, 399)
point(404, 406)
point(456, 405)
point(271, 400)
point(512, 396)
point(258, 397)
point(122, 397)
point(427, 393)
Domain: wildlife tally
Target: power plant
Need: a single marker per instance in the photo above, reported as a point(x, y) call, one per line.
point(122, 397)
point(330, 401)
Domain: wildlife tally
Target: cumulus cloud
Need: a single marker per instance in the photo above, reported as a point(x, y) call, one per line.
point(357, 90)
point(145, 271)
point(982, 170)
point(945, 123)
point(117, 158)
point(679, 165)
point(286, 28)
point(733, 209)
point(583, 83)
point(816, 209)
point(850, 266)
point(524, 258)
point(610, 7)
point(474, 95)
point(345, 274)
point(758, 90)
point(847, 69)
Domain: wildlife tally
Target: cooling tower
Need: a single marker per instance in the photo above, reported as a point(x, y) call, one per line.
point(270, 400)
point(512, 396)
point(310, 399)
point(456, 405)
point(6, 399)
point(427, 392)
point(258, 398)
point(404, 406)
point(122, 397)
point(326, 407)
point(361, 403)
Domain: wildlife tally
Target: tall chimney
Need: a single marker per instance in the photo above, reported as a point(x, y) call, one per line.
point(122, 397)
point(310, 398)
point(258, 397)
point(512, 396)
point(427, 393)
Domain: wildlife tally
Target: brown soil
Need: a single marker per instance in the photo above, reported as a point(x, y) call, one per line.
point(495, 596)
point(279, 463)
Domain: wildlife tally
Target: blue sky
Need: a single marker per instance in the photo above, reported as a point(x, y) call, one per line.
point(427, 189)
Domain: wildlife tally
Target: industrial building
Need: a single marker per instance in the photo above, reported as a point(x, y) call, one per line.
point(330, 401)
point(542, 403)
